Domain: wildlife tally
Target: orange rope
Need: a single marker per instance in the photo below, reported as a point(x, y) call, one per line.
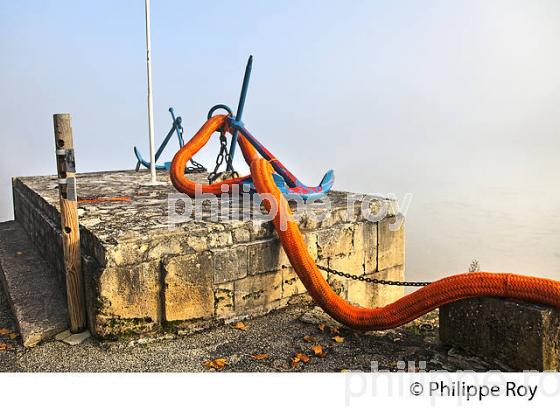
point(405, 309)
point(104, 199)
point(200, 139)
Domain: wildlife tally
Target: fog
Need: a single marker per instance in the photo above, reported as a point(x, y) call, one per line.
point(454, 103)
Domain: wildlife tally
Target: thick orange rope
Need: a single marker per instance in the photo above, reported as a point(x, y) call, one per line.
point(200, 139)
point(405, 309)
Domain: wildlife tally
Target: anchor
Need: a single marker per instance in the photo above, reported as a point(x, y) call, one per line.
point(286, 182)
point(177, 128)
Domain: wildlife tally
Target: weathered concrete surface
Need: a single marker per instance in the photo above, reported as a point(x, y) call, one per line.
point(142, 277)
point(525, 336)
point(37, 298)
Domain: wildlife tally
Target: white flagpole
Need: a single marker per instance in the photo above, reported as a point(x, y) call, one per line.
point(150, 101)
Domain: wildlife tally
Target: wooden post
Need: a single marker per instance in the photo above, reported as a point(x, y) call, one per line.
point(69, 221)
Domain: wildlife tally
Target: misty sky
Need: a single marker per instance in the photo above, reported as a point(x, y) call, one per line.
point(457, 103)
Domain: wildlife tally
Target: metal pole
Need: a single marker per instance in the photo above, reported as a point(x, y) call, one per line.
point(150, 101)
point(240, 107)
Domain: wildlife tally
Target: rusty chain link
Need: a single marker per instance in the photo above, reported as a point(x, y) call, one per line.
point(372, 280)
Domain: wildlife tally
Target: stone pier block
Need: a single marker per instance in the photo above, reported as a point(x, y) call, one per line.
point(150, 268)
point(524, 336)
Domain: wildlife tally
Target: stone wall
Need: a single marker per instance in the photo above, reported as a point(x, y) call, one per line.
point(143, 277)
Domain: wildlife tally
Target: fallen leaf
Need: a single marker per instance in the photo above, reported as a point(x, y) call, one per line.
point(12, 336)
point(334, 330)
point(318, 350)
point(308, 339)
point(4, 331)
point(3, 346)
point(217, 364)
point(303, 357)
point(260, 356)
point(300, 358)
point(338, 339)
point(322, 327)
point(239, 326)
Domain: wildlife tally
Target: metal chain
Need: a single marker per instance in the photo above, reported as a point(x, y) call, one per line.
point(372, 280)
point(223, 154)
point(196, 167)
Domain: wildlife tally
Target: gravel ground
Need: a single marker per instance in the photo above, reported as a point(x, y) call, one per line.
point(280, 335)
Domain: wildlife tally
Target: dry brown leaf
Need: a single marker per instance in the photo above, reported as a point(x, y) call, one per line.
point(295, 361)
point(217, 364)
point(322, 327)
point(3, 346)
point(318, 350)
point(260, 356)
point(303, 357)
point(307, 338)
point(300, 358)
point(4, 331)
point(239, 326)
point(338, 339)
point(334, 330)
point(12, 336)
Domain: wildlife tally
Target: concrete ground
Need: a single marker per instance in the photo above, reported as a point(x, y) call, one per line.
point(280, 335)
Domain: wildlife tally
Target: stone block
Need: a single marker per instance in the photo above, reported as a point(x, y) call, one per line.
point(129, 252)
point(257, 291)
point(230, 264)
point(369, 243)
point(197, 243)
point(352, 263)
point(219, 239)
point(130, 292)
point(266, 256)
point(291, 284)
point(373, 295)
point(522, 335)
point(385, 294)
point(391, 242)
point(241, 235)
point(189, 292)
point(223, 300)
point(311, 242)
point(335, 241)
point(260, 229)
